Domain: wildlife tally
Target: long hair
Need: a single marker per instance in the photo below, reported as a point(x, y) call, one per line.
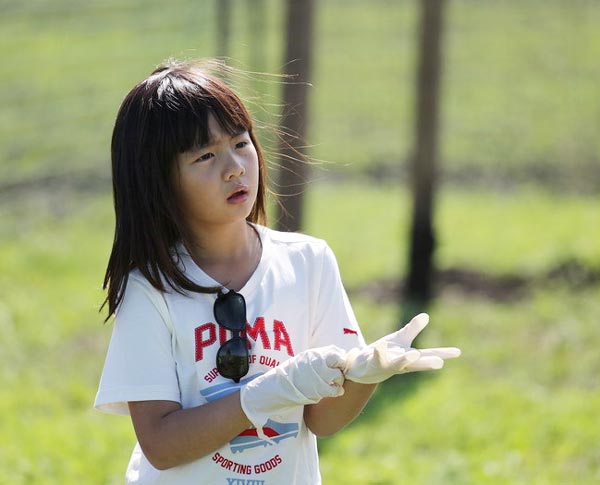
point(162, 116)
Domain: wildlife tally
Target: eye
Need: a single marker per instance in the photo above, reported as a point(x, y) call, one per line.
point(206, 156)
point(241, 144)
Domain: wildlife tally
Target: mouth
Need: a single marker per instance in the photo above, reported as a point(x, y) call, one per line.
point(239, 196)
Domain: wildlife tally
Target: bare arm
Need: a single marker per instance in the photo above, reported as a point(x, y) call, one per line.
point(171, 436)
point(331, 414)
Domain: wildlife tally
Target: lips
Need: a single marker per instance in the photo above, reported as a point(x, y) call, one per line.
point(239, 195)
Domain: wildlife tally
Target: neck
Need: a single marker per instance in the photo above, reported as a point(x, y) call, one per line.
point(221, 243)
point(229, 253)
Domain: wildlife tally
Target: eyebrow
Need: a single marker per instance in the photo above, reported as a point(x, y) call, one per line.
point(213, 141)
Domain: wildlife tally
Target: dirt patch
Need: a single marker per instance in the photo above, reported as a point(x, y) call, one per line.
point(91, 181)
point(501, 288)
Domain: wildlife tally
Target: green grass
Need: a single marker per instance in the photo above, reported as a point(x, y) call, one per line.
point(526, 232)
point(518, 407)
point(520, 101)
point(519, 88)
point(52, 336)
point(517, 78)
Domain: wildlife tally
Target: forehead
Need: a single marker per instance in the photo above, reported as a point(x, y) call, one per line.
point(216, 131)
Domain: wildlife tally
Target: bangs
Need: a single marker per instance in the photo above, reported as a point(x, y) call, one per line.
point(163, 116)
point(183, 101)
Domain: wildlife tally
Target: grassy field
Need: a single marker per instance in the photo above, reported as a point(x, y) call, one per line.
point(519, 407)
point(520, 115)
point(520, 98)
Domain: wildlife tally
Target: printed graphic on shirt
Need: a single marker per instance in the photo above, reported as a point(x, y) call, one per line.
point(243, 481)
point(249, 438)
point(272, 429)
point(242, 469)
point(349, 331)
point(209, 333)
point(218, 391)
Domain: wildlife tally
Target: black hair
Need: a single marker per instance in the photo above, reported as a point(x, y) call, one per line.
point(162, 116)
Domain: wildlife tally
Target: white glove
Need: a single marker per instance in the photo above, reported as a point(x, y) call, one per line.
point(304, 379)
point(393, 354)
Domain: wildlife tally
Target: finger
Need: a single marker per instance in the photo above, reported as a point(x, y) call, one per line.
point(395, 359)
point(396, 355)
point(400, 364)
point(425, 363)
point(324, 382)
point(339, 379)
point(413, 328)
point(335, 358)
point(332, 377)
point(442, 352)
point(336, 384)
point(337, 391)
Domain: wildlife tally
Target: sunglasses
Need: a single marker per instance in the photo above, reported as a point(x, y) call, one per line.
point(233, 355)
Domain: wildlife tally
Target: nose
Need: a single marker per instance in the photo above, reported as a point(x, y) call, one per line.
point(234, 167)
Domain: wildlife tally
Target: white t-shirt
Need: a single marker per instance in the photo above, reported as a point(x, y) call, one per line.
point(164, 346)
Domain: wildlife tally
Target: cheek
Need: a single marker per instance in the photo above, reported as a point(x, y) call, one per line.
point(181, 189)
point(192, 190)
point(253, 164)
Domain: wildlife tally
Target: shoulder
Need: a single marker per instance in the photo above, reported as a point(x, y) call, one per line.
point(142, 305)
point(291, 240)
point(139, 291)
point(136, 278)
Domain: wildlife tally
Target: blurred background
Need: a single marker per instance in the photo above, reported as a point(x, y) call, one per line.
point(455, 168)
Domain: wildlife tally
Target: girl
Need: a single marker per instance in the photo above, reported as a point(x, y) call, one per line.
point(234, 346)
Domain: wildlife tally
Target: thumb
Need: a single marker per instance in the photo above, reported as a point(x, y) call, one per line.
point(409, 332)
point(331, 382)
point(335, 357)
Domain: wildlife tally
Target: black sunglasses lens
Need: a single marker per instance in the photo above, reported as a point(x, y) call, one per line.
point(232, 359)
point(230, 311)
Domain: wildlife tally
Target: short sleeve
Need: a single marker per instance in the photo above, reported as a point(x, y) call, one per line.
point(334, 321)
point(139, 364)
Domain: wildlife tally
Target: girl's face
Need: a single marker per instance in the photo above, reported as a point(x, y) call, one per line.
point(218, 182)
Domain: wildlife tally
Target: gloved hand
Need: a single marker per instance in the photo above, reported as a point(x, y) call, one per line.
point(393, 354)
point(304, 379)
